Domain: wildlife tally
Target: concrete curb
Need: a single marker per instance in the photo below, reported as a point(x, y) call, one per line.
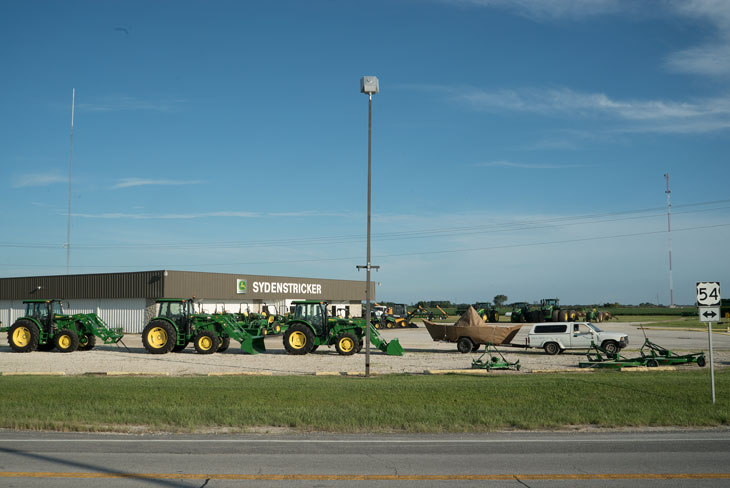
point(137, 373)
point(546, 371)
point(33, 373)
point(241, 373)
point(456, 371)
point(645, 369)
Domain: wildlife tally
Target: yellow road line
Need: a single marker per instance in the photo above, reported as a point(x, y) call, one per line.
point(368, 477)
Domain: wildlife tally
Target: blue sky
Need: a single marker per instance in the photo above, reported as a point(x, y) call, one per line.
point(519, 147)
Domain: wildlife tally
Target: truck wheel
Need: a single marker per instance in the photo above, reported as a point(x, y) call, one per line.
point(87, 342)
point(551, 348)
point(206, 342)
point(159, 337)
point(346, 344)
point(475, 348)
point(611, 347)
point(23, 336)
point(225, 343)
point(66, 340)
point(298, 339)
point(464, 345)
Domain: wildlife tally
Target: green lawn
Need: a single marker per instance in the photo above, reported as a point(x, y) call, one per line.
point(381, 404)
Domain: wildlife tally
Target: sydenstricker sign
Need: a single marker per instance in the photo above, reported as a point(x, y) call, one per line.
point(286, 288)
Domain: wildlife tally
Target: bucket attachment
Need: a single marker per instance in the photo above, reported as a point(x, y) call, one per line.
point(393, 348)
point(253, 345)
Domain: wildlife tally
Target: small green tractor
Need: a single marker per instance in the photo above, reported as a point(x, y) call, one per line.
point(310, 327)
point(487, 311)
point(177, 324)
point(45, 327)
point(520, 311)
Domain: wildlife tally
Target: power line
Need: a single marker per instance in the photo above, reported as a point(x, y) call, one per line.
point(420, 253)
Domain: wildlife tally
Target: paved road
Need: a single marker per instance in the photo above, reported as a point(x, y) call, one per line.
point(691, 458)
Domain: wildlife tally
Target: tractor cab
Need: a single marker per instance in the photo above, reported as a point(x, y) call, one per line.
point(43, 310)
point(315, 313)
point(178, 311)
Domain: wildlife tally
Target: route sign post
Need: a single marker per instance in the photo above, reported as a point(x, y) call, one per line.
point(708, 301)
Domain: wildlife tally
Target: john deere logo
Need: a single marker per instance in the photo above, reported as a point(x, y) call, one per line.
point(240, 286)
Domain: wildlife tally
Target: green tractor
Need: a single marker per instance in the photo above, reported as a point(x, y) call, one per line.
point(310, 327)
point(45, 327)
point(520, 311)
point(177, 324)
point(550, 311)
point(487, 311)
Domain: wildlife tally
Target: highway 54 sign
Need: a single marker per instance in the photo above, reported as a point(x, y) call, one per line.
point(708, 293)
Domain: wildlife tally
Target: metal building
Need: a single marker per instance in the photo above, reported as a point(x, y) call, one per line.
point(128, 299)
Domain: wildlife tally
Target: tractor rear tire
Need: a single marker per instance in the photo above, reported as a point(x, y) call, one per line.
point(346, 344)
point(298, 339)
point(361, 343)
point(225, 344)
point(206, 342)
point(464, 345)
point(23, 336)
point(66, 340)
point(159, 337)
point(87, 342)
point(551, 348)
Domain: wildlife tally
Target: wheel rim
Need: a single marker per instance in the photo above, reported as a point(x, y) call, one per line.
point(157, 337)
point(205, 343)
point(347, 344)
point(64, 341)
point(297, 340)
point(21, 336)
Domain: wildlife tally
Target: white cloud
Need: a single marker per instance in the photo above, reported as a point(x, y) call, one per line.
point(131, 182)
point(702, 115)
point(127, 103)
point(37, 179)
point(554, 9)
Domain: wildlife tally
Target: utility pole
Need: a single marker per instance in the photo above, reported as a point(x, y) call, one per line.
point(70, 172)
point(669, 233)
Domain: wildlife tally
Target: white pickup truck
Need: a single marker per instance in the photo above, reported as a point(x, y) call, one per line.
point(556, 337)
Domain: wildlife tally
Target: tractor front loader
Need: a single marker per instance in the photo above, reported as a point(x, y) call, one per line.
point(44, 327)
point(177, 325)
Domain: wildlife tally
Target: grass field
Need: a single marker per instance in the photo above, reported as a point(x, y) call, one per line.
point(382, 404)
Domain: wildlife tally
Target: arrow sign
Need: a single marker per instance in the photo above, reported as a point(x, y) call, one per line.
point(709, 314)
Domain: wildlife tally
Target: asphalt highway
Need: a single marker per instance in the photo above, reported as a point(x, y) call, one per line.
point(547, 459)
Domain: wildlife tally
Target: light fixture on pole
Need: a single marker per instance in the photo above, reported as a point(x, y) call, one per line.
point(370, 86)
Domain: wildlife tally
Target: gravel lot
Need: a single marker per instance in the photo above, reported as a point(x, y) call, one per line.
point(421, 354)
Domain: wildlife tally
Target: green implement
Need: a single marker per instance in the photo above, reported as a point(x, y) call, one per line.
point(598, 357)
point(489, 360)
point(655, 355)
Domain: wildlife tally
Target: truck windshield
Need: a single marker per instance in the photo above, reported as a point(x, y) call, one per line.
point(593, 326)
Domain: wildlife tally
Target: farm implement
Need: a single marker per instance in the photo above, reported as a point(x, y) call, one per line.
point(652, 355)
point(176, 325)
point(492, 358)
point(310, 327)
point(45, 327)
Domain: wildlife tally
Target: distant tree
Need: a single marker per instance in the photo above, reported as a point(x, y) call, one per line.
point(499, 300)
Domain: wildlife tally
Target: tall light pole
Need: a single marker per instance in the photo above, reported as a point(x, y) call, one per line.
point(669, 233)
point(370, 86)
point(70, 174)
